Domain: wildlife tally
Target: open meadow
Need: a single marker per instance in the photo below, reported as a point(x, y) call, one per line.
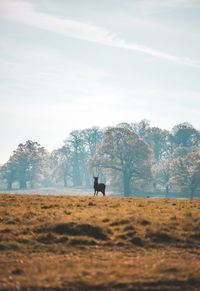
point(98, 243)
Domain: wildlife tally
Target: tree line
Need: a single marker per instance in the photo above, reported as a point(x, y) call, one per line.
point(130, 158)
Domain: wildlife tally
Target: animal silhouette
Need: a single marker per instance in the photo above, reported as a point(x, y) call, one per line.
point(99, 187)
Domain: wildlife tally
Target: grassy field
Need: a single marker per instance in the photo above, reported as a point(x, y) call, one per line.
point(98, 243)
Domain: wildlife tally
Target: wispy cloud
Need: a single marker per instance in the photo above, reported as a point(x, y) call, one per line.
point(25, 12)
point(146, 7)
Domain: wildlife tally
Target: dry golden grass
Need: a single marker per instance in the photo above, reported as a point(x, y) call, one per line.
point(98, 243)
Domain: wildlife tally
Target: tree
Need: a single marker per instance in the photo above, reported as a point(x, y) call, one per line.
point(141, 127)
point(125, 125)
point(179, 126)
point(159, 141)
point(183, 151)
point(185, 172)
point(162, 175)
point(138, 127)
point(83, 144)
point(8, 173)
point(92, 138)
point(185, 135)
point(46, 172)
point(27, 161)
point(76, 144)
point(62, 159)
point(126, 153)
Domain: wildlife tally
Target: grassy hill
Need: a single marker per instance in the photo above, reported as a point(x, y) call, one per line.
point(98, 243)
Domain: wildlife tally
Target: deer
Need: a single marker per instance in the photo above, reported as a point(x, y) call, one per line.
point(99, 187)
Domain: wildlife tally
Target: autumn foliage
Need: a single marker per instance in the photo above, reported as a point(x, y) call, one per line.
point(131, 158)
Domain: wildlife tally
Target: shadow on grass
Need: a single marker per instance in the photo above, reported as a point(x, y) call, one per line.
point(161, 285)
point(74, 229)
point(160, 237)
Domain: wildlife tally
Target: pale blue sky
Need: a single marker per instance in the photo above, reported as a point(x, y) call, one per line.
point(74, 64)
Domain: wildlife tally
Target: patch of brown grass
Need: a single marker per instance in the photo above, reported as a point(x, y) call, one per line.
point(91, 243)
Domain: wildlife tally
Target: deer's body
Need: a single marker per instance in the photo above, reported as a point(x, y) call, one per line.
point(99, 187)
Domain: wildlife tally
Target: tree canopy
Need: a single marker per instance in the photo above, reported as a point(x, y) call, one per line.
point(124, 151)
point(130, 158)
point(25, 164)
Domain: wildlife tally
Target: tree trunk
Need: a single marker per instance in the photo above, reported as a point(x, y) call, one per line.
point(9, 186)
point(126, 184)
point(87, 178)
point(32, 178)
point(65, 180)
point(22, 184)
point(192, 193)
point(154, 186)
point(76, 172)
point(31, 184)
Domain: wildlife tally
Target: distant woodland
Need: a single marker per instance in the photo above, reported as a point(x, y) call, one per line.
point(130, 158)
